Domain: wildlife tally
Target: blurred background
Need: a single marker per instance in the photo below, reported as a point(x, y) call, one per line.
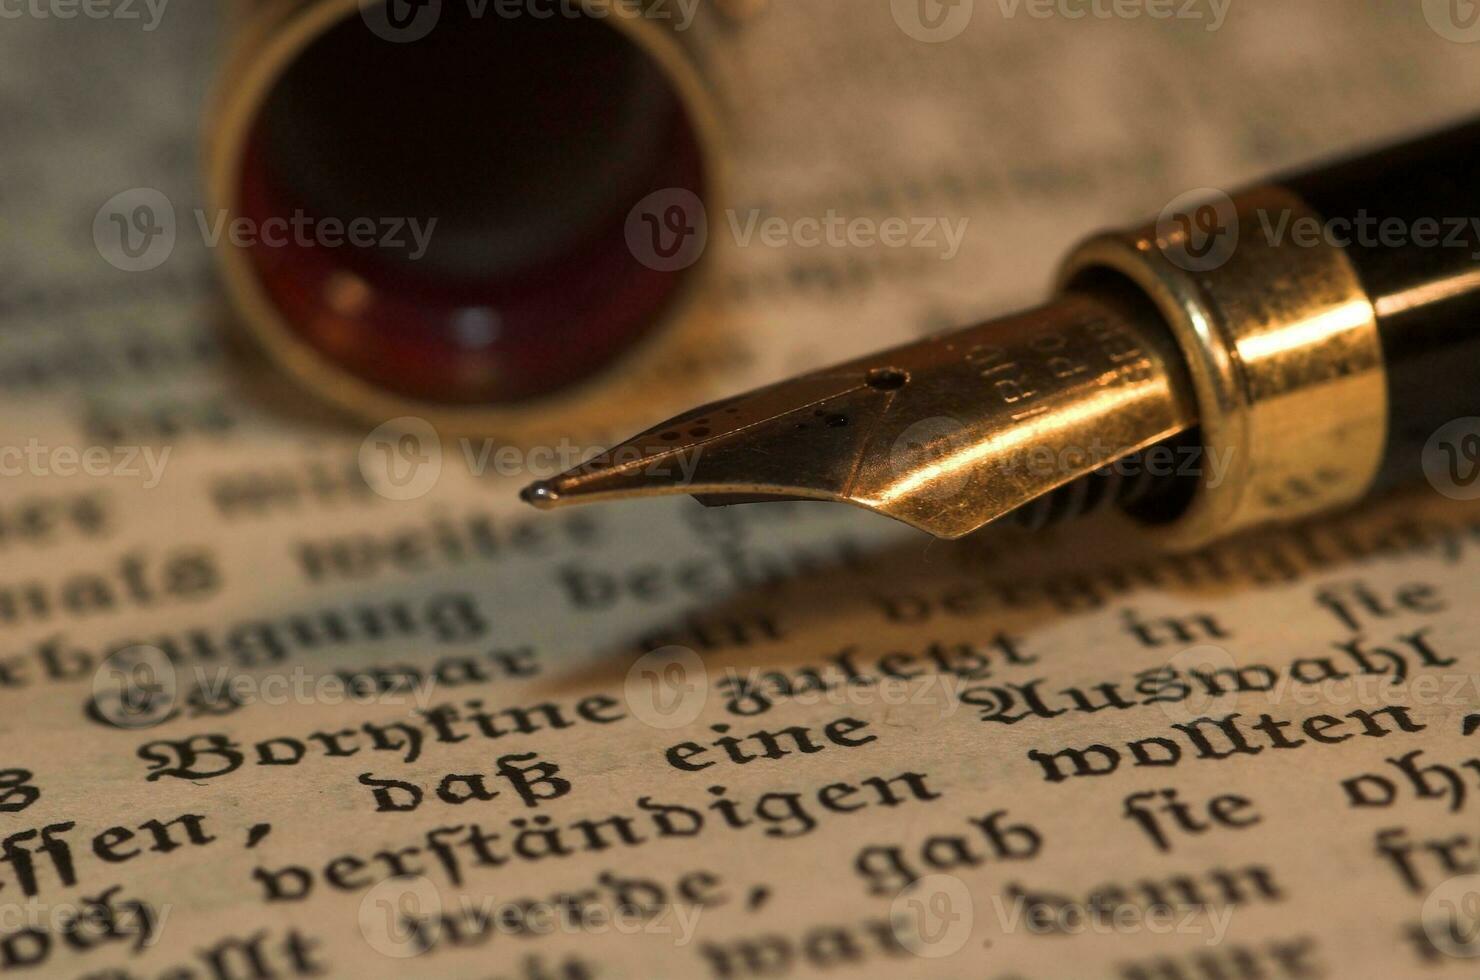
point(1035, 129)
point(1025, 125)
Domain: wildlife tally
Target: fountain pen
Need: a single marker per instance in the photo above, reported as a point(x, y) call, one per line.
point(1245, 359)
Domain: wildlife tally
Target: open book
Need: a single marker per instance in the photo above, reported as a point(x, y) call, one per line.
point(284, 697)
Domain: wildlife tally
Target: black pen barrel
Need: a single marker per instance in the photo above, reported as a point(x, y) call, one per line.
point(1329, 320)
point(1408, 219)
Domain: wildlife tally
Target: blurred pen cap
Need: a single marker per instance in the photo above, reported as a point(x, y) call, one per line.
point(456, 209)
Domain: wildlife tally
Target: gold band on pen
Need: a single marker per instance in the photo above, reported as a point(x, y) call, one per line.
point(1281, 342)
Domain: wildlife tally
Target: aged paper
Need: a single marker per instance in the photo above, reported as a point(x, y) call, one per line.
point(271, 709)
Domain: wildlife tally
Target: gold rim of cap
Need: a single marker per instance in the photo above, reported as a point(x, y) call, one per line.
point(1282, 345)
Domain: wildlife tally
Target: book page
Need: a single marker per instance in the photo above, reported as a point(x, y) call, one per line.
point(284, 695)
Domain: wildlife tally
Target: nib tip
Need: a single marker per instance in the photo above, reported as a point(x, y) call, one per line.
point(542, 494)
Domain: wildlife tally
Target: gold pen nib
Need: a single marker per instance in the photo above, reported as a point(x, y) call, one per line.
point(946, 435)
